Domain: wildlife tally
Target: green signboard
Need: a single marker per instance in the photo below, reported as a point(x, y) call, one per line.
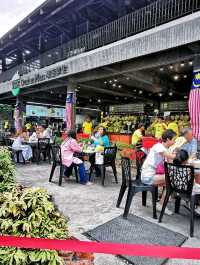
point(16, 85)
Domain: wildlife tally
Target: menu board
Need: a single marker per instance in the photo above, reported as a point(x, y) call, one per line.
point(128, 108)
point(42, 111)
point(36, 111)
point(174, 105)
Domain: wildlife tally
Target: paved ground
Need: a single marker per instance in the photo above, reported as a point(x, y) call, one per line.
point(90, 206)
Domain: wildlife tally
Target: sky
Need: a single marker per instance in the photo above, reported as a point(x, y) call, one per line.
point(13, 11)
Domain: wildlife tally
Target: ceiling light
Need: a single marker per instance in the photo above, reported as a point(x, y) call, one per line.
point(135, 97)
point(160, 94)
point(185, 76)
point(171, 67)
point(176, 77)
point(76, 90)
point(170, 93)
point(110, 81)
point(115, 80)
point(140, 92)
point(51, 92)
point(182, 64)
point(185, 97)
point(114, 85)
point(135, 90)
point(161, 69)
point(105, 82)
point(127, 78)
point(125, 98)
point(99, 100)
point(90, 100)
point(190, 62)
point(117, 98)
point(119, 86)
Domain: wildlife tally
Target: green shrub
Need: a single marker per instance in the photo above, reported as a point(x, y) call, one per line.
point(30, 212)
point(7, 170)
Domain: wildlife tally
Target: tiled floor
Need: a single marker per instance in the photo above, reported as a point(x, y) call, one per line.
point(90, 206)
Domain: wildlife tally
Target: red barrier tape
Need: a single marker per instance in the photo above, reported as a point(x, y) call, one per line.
point(106, 248)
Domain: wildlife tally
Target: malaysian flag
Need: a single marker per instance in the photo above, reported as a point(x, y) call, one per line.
point(194, 105)
point(69, 111)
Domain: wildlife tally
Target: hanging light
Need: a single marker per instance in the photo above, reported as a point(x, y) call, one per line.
point(114, 85)
point(185, 76)
point(140, 92)
point(176, 77)
point(105, 82)
point(99, 100)
point(119, 86)
point(127, 78)
point(161, 69)
point(115, 80)
point(171, 67)
point(170, 93)
point(182, 64)
point(110, 81)
point(90, 100)
point(160, 94)
point(190, 62)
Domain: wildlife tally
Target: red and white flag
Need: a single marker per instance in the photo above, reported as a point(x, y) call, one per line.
point(194, 105)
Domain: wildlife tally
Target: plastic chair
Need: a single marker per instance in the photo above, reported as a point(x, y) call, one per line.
point(135, 186)
point(43, 147)
point(180, 179)
point(57, 161)
point(109, 156)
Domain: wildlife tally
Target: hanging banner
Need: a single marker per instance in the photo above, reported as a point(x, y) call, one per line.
point(70, 111)
point(194, 105)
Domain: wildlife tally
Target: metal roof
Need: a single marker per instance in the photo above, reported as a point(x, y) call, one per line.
point(58, 21)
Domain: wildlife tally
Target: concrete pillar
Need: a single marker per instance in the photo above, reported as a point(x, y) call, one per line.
point(18, 115)
point(3, 64)
point(71, 106)
point(20, 58)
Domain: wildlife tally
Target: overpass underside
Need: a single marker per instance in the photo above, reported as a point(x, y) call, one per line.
point(151, 66)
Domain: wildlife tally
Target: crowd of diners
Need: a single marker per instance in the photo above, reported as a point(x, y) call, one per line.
point(179, 148)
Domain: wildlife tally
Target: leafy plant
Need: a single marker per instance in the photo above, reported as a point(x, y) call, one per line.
point(7, 170)
point(30, 213)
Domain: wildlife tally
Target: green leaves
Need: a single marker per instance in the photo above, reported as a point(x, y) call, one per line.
point(7, 171)
point(29, 212)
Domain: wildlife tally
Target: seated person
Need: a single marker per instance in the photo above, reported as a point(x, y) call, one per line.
point(68, 148)
point(18, 145)
point(158, 153)
point(102, 138)
point(138, 134)
point(186, 142)
point(182, 158)
point(33, 138)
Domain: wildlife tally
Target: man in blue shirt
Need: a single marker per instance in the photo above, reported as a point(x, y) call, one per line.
point(191, 145)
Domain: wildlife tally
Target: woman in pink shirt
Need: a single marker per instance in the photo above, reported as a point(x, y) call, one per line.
point(68, 148)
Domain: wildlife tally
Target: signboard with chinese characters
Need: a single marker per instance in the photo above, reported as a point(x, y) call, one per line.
point(128, 108)
point(174, 105)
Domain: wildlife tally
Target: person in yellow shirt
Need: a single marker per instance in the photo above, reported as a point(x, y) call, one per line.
point(173, 125)
point(137, 135)
point(87, 126)
point(160, 127)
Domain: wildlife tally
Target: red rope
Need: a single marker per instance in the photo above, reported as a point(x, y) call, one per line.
point(106, 248)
